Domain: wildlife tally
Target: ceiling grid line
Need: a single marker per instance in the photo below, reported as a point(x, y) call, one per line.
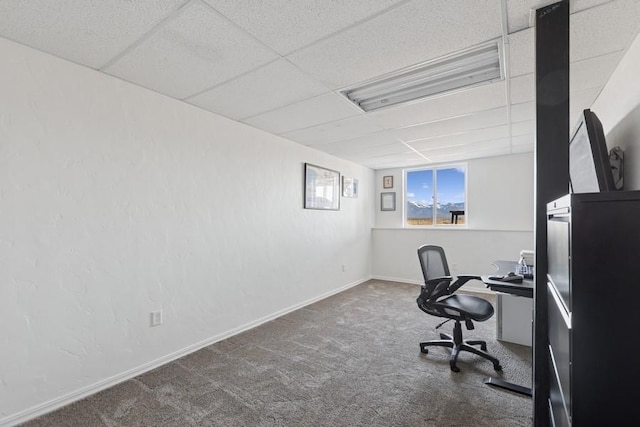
point(177, 11)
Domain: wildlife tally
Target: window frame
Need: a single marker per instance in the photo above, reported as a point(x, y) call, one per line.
point(434, 196)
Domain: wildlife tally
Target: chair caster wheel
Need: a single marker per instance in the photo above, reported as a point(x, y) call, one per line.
point(497, 367)
point(424, 350)
point(454, 368)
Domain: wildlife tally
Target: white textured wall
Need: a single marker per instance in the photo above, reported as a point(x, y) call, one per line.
point(500, 222)
point(499, 194)
point(116, 201)
point(618, 108)
point(395, 254)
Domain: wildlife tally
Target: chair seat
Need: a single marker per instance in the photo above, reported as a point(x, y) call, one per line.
point(475, 307)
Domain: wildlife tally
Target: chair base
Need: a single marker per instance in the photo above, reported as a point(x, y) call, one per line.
point(457, 344)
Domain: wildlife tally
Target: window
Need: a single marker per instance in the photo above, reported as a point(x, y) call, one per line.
point(436, 196)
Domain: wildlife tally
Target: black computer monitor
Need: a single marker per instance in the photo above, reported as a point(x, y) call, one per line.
point(589, 168)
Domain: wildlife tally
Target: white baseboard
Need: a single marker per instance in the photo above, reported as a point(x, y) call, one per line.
point(397, 279)
point(69, 398)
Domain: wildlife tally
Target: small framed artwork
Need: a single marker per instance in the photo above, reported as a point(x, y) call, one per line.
point(387, 181)
point(321, 188)
point(349, 187)
point(388, 201)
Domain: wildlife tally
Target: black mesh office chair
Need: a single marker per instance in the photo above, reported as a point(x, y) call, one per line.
point(438, 299)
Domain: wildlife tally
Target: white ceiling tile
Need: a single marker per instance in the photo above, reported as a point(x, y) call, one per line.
point(468, 148)
point(89, 32)
point(523, 89)
point(461, 139)
point(524, 148)
point(287, 25)
point(523, 143)
point(361, 143)
point(485, 97)
point(593, 72)
point(338, 130)
point(388, 150)
point(479, 120)
point(522, 53)
point(399, 38)
point(266, 88)
point(386, 158)
point(523, 128)
point(578, 5)
point(404, 162)
point(307, 113)
point(580, 100)
point(518, 11)
point(603, 29)
point(523, 112)
point(461, 157)
point(194, 51)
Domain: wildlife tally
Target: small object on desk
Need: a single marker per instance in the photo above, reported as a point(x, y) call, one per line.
point(510, 277)
point(525, 270)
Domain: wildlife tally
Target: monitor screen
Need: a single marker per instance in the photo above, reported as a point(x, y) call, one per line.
point(589, 168)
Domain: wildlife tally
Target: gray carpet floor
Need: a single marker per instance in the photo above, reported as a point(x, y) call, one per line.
point(349, 360)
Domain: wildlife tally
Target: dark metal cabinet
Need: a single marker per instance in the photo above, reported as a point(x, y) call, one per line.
point(593, 308)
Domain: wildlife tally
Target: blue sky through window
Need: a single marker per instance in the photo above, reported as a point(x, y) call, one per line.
point(450, 185)
point(420, 186)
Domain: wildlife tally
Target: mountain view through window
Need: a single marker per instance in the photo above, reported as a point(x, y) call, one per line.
point(436, 196)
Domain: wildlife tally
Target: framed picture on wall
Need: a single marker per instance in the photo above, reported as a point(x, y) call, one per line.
point(321, 188)
point(349, 187)
point(387, 181)
point(388, 201)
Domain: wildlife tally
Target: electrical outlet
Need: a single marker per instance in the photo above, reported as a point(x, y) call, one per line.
point(156, 318)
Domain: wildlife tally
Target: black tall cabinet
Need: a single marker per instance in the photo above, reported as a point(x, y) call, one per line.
point(551, 172)
point(593, 293)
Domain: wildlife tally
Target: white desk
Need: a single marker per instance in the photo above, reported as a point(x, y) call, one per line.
point(514, 318)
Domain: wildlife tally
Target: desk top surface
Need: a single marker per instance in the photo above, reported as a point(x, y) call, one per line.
point(524, 289)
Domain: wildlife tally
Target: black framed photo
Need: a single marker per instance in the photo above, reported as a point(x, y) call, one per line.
point(388, 201)
point(321, 188)
point(387, 181)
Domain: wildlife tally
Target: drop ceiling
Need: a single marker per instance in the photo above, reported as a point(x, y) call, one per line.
point(279, 65)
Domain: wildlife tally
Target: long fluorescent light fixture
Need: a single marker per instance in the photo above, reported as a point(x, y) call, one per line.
point(453, 72)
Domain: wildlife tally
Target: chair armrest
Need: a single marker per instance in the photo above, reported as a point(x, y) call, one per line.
point(435, 288)
point(462, 279)
point(439, 279)
point(469, 276)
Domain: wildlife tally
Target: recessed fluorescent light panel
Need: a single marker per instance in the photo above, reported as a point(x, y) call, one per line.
point(453, 72)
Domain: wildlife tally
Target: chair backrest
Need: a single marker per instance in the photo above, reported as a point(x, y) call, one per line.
point(433, 262)
point(436, 279)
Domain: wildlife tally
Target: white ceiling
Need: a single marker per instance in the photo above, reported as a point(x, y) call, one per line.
point(279, 65)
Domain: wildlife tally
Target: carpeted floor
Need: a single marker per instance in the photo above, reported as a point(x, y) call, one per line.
point(349, 360)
